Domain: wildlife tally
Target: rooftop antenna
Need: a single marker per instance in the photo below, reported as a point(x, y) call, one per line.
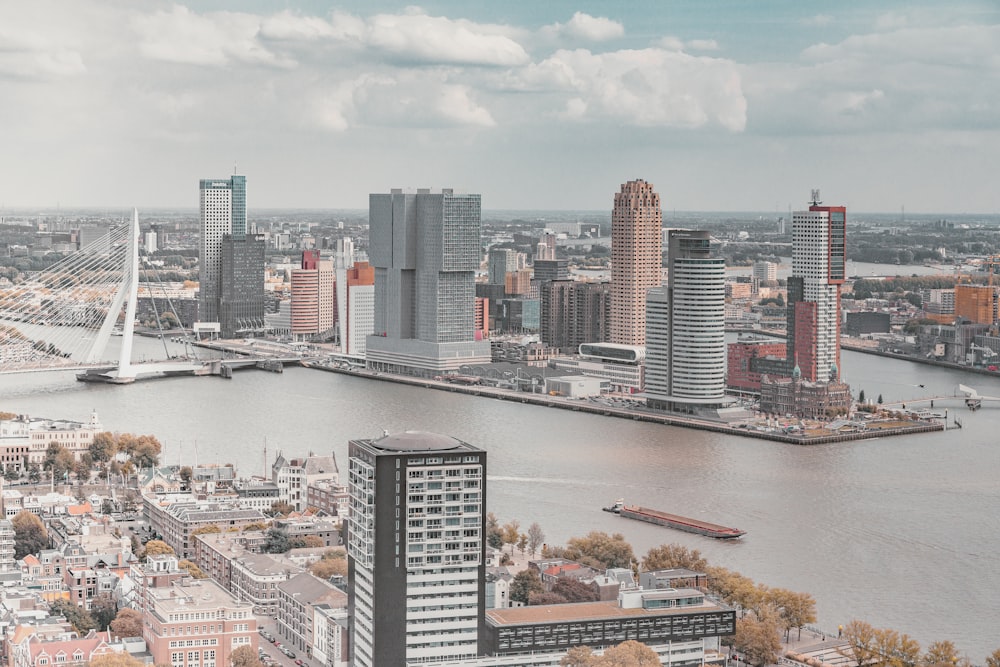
point(815, 197)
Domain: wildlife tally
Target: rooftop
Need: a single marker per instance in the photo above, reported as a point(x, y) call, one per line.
point(416, 441)
point(585, 611)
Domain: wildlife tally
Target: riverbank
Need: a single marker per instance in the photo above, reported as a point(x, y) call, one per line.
point(806, 437)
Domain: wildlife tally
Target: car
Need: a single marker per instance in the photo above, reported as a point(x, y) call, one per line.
point(299, 662)
point(289, 653)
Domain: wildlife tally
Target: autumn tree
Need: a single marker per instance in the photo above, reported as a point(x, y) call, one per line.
point(510, 533)
point(896, 649)
point(206, 530)
point(758, 637)
point(941, 654)
point(313, 541)
point(244, 656)
point(535, 538)
point(281, 508)
point(578, 656)
point(600, 550)
point(544, 598)
point(860, 638)
point(186, 473)
point(257, 525)
point(993, 659)
point(59, 460)
point(192, 569)
point(524, 584)
point(128, 623)
point(628, 654)
point(667, 556)
point(333, 563)
point(103, 608)
point(30, 535)
point(103, 447)
point(158, 548)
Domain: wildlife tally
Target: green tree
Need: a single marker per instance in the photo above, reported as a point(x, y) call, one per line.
point(574, 590)
point(78, 617)
point(600, 550)
point(34, 473)
point(879, 399)
point(276, 541)
point(667, 556)
point(524, 584)
point(59, 460)
point(186, 473)
point(30, 535)
point(104, 610)
point(128, 623)
point(861, 396)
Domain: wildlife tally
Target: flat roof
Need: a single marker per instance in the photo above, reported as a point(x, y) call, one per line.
point(585, 611)
point(416, 441)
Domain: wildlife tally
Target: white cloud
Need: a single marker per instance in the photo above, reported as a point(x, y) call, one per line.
point(818, 21)
point(649, 87)
point(703, 45)
point(672, 43)
point(217, 39)
point(439, 40)
point(586, 27)
point(30, 56)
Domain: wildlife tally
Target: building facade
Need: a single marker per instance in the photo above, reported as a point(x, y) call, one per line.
point(359, 322)
point(312, 301)
point(636, 259)
point(425, 248)
point(976, 303)
point(416, 549)
point(241, 298)
point(573, 313)
point(740, 373)
point(222, 211)
point(686, 327)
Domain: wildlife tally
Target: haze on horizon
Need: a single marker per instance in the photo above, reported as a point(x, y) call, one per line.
point(537, 106)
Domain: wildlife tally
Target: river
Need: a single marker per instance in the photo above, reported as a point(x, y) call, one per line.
point(902, 532)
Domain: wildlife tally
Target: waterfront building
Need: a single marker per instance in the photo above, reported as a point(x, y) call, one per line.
point(25, 440)
point(620, 365)
point(867, 322)
point(765, 271)
point(241, 294)
point(418, 520)
point(312, 301)
point(189, 622)
point(572, 313)
point(685, 328)
point(804, 398)
point(636, 259)
point(976, 303)
point(425, 250)
point(222, 212)
point(740, 373)
point(359, 308)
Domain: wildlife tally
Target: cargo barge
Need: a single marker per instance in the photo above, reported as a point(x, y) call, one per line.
point(674, 521)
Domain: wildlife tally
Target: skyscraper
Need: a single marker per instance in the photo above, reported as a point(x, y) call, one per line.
point(241, 294)
point(425, 249)
point(222, 211)
point(636, 258)
point(818, 270)
point(685, 328)
point(312, 299)
point(416, 549)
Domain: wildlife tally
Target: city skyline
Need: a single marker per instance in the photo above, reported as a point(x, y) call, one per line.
point(495, 99)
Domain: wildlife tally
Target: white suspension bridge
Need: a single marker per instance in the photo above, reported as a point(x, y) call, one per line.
point(63, 318)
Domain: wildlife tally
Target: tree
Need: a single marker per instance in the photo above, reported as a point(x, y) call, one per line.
point(860, 637)
point(104, 610)
point(276, 541)
point(993, 659)
point(799, 610)
point(158, 548)
point(192, 569)
point(667, 556)
point(511, 532)
point(940, 654)
point(30, 535)
point(78, 617)
point(115, 659)
point(535, 538)
point(600, 550)
point(128, 623)
point(254, 526)
point(861, 396)
point(522, 543)
point(103, 447)
point(59, 460)
point(879, 399)
point(628, 654)
point(186, 474)
point(34, 473)
point(758, 638)
point(244, 656)
point(325, 568)
point(281, 508)
point(574, 590)
point(524, 584)
point(206, 530)
point(545, 597)
point(313, 541)
point(895, 649)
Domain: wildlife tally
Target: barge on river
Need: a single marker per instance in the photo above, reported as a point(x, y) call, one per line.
point(674, 521)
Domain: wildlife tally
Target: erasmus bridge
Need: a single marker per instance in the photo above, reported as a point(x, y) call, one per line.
point(63, 318)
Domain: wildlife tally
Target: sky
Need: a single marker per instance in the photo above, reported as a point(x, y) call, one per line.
point(722, 105)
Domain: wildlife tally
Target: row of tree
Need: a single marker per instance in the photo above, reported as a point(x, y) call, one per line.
point(884, 647)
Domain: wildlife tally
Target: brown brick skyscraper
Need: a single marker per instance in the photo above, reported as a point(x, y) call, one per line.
point(636, 258)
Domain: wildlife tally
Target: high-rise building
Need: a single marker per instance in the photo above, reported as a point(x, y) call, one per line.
point(241, 288)
point(416, 549)
point(685, 328)
point(976, 303)
point(636, 258)
point(359, 309)
point(764, 271)
point(818, 270)
point(546, 248)
point(501, 261)
point(573, 313)
point(222, 211)
point(312, 299)
point(425, 249)
point(545, 270)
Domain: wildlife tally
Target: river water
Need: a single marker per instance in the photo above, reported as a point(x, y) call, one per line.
point(902, 532)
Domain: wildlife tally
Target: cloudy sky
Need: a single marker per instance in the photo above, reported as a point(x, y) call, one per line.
point(723, 105)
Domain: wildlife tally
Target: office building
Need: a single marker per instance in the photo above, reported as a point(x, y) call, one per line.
point(636, 259)
point(312, 301)
point(546, 248)
point(573, 313)
point(425, 249)
point(416, 549)
point(241, 297)
point(740, 373)
point(685, 328)
point(358, 308)
point(222, 211)
point(764, 271)
point(501, 261)
point(545, 270)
